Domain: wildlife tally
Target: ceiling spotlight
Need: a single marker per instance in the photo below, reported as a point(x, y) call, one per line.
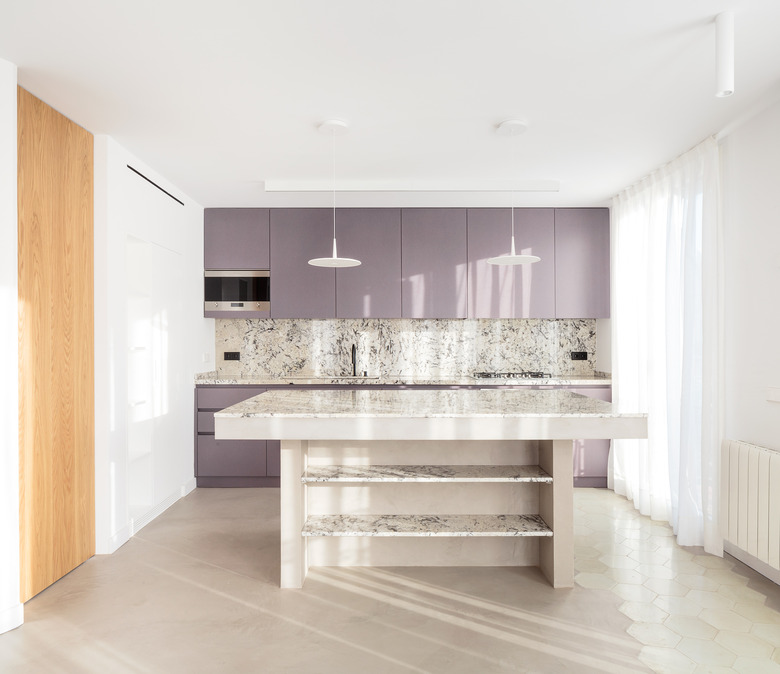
point(724, 54)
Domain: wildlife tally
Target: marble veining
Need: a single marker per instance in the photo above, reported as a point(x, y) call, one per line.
point(413, 403)
point(403, 348)
point(426, 525)
point(428, 473)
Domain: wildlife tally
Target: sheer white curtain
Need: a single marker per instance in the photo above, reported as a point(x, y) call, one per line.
point(665, 324)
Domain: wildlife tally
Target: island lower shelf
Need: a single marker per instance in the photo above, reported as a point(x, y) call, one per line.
point(425, 473)
point(426, 525)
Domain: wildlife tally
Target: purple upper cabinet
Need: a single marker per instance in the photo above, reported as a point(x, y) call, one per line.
point(582, 263)
point(299, 290)
point(235, 238)
point(373, 236)
point(523, 291)
point(433, 263)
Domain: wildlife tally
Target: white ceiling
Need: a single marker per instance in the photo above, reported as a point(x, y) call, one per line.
point(220, 97)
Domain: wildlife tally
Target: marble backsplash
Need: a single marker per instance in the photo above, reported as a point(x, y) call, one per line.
point(435, 348)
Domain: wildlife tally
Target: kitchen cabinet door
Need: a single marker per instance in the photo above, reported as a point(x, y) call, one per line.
point(373, 236)
point(581, 263)
point(230, 463)
point(522, 291)
point(434, 263)
point(299, 290)
point(592, 456)
point(235, 238)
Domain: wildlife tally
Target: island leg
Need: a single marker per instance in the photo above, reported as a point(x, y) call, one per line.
point(293, 514)
point(556, 508)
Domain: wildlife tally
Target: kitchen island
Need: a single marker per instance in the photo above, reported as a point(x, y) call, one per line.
point(444, 478)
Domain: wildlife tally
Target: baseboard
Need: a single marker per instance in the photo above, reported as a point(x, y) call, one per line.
point(223, 482)
point(188, 486)
point(119, 538)
point(138, 523)
point(591, 482)
point(11, 618)
point(753, 562)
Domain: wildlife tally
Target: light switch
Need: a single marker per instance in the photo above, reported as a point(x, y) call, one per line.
point(773, 394)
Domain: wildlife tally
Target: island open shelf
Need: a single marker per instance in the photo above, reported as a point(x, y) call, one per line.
point(427, 473)
point(445, 477)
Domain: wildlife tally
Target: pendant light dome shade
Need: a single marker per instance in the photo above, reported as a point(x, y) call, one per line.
point(335, 127)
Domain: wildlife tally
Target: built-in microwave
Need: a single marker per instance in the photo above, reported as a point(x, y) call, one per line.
point(239, 291)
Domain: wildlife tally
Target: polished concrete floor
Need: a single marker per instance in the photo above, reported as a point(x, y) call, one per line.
point(197, 591)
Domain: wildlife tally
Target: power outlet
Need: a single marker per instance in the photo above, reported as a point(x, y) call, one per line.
point(232, 355)
point(579, 355)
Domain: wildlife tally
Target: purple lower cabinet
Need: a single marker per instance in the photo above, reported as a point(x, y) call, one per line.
point(518, 291)
point(230, 463)
point(273, 458)
point(231, 458)
point(434, 263)
point(592, 456)
point(299, 290)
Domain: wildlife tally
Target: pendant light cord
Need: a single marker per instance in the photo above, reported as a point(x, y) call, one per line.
point(334, 183)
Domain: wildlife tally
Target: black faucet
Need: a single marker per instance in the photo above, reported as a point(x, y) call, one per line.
point(354, 360)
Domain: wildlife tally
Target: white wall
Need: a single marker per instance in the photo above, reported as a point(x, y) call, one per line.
point(11, 609)
point(150, 341)
point(751, 222)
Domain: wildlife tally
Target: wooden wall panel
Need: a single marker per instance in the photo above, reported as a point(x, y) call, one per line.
point(56, 345)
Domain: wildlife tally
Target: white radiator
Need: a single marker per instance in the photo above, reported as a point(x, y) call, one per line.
point(750, 505)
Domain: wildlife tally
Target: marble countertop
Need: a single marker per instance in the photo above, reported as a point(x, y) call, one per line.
point(214, 379)
point(411, 404)
point(460, 414)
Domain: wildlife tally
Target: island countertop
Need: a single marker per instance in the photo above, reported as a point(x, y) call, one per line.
point(409, 414)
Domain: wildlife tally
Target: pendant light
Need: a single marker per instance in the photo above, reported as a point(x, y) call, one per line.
point(512, 127)
point(335, 127)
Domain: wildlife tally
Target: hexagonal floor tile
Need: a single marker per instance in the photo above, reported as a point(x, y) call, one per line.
point(656, 571)
point(666, 587)
point(747, 645)
point(629, 576)
point(707, 599)
point(740, 593)
point(634, 592)
point(677, 605)
point(713, 562)
point(661, 659)
point(757, 612)
point(726, 577)
point(725, 619)
point(590, 565)
point(685, 566)
point(689, 626)
point(648, 557)
point(706, 652)
point(640, 611)
point(769, 633)
point(744, 665)
point(619, 562)
point(653, 634)
point(696, 582)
